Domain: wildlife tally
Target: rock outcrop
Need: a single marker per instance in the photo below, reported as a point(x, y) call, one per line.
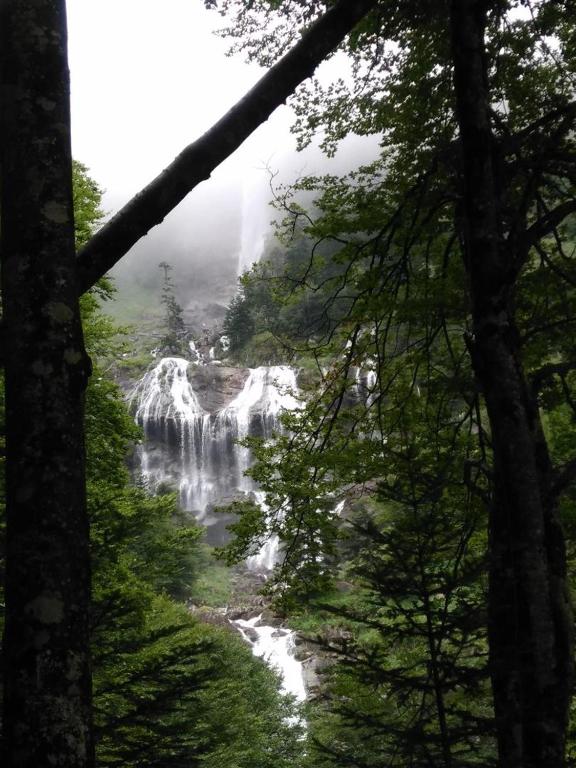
point(216, 385)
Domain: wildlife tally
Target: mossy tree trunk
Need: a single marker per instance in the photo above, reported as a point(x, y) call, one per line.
point(47, 712)
point(46, 656)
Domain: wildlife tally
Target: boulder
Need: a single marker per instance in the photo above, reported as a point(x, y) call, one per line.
point(216, 385)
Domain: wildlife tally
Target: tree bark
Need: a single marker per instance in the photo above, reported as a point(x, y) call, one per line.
point(46, 644)
point(197, 161)
point(530, 616)
point(47, 712)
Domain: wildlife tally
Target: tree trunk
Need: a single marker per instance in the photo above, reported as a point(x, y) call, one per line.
point(47, 670)
point(530, 618)
point(47, 718)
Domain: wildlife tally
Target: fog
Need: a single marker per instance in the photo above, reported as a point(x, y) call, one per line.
point(219, 230)
point(147, 79)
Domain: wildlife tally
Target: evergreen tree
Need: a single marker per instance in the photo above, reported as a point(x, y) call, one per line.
point(410, 686)
point(174, 339)
point(463, 180)
point(168, 690)
point(239, 324)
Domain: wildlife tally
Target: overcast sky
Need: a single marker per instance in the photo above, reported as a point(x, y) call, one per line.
point(148, 77)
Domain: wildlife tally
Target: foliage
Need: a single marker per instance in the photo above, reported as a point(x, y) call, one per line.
point(87, 197)
point(238, 323)
point(280, 305)
point(134, 365)
point(173, 341)
point(168, 690)
point(400, 79)
point(397, 256)
point(212, 585)
point(397, 416)
point(399, 413)
point(412, 682)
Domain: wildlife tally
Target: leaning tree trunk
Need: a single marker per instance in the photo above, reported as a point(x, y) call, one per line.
point(46, 657)
point(530, 618)
point(47, 681)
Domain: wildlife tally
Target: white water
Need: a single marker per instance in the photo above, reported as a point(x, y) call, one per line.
point(200, 453)
point(169, 411)
point(256, 410)
point(225, 343)
point(364, 387)
point(276, 646)
point(255, 224)
point(165, 393)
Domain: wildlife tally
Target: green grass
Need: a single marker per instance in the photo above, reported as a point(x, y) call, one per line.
point(213, 587)
point(135, 365)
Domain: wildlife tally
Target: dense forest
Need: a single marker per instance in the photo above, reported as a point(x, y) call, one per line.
point(421, 486)
point(168, 689)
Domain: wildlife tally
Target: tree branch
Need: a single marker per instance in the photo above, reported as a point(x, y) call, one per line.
point(548, 223)
point(512, 143)
point(197, 161)
point(547, 371)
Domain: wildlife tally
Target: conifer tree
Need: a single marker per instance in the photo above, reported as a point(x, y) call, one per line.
point(173, 341)
point(47, 714)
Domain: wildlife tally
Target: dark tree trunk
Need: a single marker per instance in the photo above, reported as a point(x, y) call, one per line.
point(47, 668)
point(530, 618)
point(47, 717)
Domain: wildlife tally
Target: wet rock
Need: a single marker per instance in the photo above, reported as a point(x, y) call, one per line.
point(250, 633)
point(302, 655)
point(311, 677)
point(213, 616)
point(241, 613)
point(270, 618)
point(216, 386)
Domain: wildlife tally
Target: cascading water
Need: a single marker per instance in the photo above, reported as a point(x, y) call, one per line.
point(169, 412)
point(255, 223)
point(365, 381)
point(201, 455)
point(276, 646)
point(197, 451)
point(256, 411)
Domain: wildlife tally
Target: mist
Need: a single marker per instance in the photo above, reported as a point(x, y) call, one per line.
point(160, 80)
point(223, 227)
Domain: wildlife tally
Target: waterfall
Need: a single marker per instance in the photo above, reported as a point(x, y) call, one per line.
point(365, 380)
point(276, 646)
point(197, 451)
point(187, 446)
point(256, 411)
point(165, 393)
point(169, 412)
point(255, 222)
